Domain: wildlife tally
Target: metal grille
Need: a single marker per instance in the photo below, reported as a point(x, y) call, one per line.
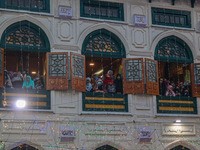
point(24, 36)
point(57, 65)
point(133, 70)
point(1, 62)
point(26, 4)
point(172, 49)
point(78, 66)
point(102, 43)
point(196, 74)
point(151, 71)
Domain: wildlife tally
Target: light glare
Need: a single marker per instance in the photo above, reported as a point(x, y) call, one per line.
point(21, 103)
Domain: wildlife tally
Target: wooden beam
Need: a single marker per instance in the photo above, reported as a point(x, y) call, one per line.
point(192, 3)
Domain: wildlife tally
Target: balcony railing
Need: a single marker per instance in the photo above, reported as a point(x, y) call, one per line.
point(35, 99)
point(105, 102)
point(176, 105)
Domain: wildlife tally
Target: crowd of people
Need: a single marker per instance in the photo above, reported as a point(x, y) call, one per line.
point(22, 80)
point(107, 84)
point(170, 88)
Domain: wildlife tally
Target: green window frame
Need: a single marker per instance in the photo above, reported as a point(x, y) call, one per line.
point(29, 5)
point(35, 39)
point(169, 17)
point(101, 10)
point(173, 49)
point(103, 43)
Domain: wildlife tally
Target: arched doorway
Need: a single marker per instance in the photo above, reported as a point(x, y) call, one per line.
point(24, 147)
point(23, 53)
point(103, 51)
point(106, 147)
point(175, 76)
point(180, 147)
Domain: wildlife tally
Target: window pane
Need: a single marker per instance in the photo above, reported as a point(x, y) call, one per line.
point(57, 65)
point(78, 66)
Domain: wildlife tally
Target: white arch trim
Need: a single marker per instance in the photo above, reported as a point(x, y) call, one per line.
point(27, 143)
point(31, 19)
point(183, 143)
point(172, 33)
point(102, 26)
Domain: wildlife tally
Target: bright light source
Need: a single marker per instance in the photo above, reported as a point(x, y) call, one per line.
point(21, 103)
point(178, 121)
point(91, 64)
point(98, 72)
point(33, 72)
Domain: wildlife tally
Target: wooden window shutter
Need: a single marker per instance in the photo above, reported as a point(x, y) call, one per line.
point(195, 79)
point(133, 76)
point(57, 71)
point(152, 85)
point(78, 81)
point(1, 67)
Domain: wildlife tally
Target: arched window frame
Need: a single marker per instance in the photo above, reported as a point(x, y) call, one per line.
point(34, 28)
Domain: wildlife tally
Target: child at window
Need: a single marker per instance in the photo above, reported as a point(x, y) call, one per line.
point(108, 81)
point(17, 79)
point(88, 85)
point(99, 86)
point(28, 83)
point(170, 91)
point(118, 84)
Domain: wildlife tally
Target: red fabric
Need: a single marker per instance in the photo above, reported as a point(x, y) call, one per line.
point(107, 81)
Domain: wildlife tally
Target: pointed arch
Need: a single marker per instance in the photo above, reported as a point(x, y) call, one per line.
point(106, 147)
point(103, 43)
point(107, 27)
point(176, 144)
point(27, 17)
point(25, 144)
point(163, 35)
point(107, 144)
point(25, 35)
point(173, 49)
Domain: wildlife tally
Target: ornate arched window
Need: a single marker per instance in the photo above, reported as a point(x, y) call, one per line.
point(103, 52)
point(24, 147)
point(176, 77)
point(25, 36)
point(106, 147)
point(23, 51)
point(103, 43)
point(173, 49)
point(180, 147)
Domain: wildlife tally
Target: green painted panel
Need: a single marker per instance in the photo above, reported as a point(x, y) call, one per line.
point(169, 17)
point(187, 102)
point(110, 99)
point(32, 5)
point(38, 99)
point(101, 10)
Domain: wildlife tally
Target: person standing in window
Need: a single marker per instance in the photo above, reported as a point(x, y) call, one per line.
point(28, 83)
point(118, 84)
point(109, 85)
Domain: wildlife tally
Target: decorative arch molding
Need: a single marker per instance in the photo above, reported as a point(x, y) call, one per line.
point(31, 19)
point(159, 37)
point(105, 26)
point(27, 143)
point(107, 143)
point(183, 143)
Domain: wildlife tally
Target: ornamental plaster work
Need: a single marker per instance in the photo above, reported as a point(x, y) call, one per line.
point(65, 31)
point(139, 39)
point(178, 129)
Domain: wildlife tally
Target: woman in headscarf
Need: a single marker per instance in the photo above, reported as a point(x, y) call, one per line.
point(119, 84)
point(28, 83)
